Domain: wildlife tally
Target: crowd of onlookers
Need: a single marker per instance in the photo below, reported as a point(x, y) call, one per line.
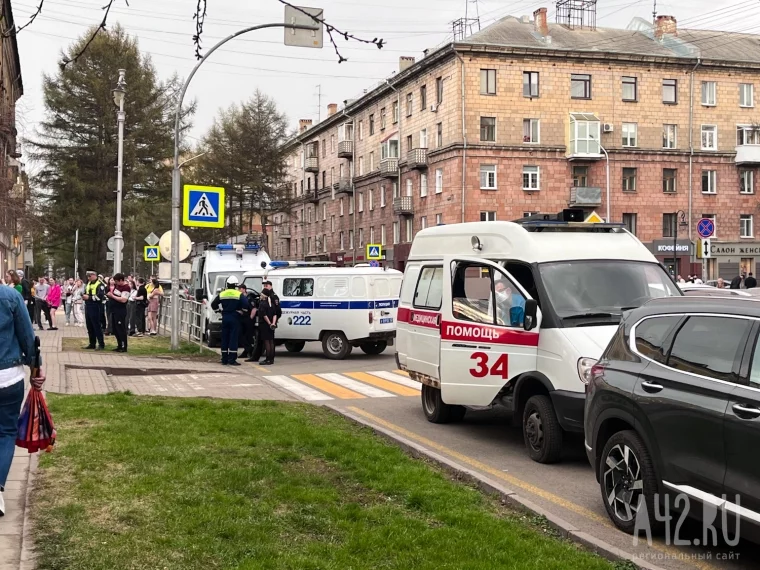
point(45, 295)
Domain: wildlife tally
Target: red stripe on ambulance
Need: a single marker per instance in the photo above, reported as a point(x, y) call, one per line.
point(495, 335)
point(419, 318)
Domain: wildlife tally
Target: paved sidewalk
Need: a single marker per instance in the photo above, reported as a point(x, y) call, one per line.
point(86, 373)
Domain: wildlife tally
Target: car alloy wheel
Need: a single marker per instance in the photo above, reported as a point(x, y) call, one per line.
point(623, 482)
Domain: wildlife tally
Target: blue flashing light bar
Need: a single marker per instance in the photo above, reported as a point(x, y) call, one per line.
point(224, 246)
point(280, 264)
point(231, 247)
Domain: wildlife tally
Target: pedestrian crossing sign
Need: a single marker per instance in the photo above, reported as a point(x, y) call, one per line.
point(374, 251)
point(152, 253)
point(203, 207)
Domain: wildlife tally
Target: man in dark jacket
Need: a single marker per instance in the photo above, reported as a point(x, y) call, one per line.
point(246, 325)
point(736, 282)
point(750, 282)
point(231, 303)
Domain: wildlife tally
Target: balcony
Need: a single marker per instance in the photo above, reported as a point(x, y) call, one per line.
point(389, 167)
point(417, 158)
point(343, 186)
point(403, 206)
point(585, 196)
point(747, 154)
point(312, 164)
point(312, 197)
point(585, 130)
point(346, 149)
point(283, 232)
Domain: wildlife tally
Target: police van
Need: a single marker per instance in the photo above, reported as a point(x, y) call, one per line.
point(516, 314)
point(210, 270)
point(341, 307)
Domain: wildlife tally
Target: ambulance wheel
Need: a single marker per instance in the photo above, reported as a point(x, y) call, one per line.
point(373, 347)
point(541, 430)
point(294, 346)
point(436, 410)
point(335, 345)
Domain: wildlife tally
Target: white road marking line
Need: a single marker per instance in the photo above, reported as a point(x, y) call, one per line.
point(397, 378)
point(356, 386)
point(297, 388)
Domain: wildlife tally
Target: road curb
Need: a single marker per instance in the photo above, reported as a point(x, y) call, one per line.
point(26, 558)
point(508, 496)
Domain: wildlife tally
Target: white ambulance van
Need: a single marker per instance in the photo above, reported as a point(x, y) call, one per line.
point(210, 270)
point(515, 314)
point(341, 307)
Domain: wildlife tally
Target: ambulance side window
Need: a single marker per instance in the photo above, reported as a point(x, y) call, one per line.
point(429, 290)
point(409, 284)
point(474, 289)
point(298, 287)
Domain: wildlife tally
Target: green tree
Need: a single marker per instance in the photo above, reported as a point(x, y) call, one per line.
point(77, 145)
point(245, 154)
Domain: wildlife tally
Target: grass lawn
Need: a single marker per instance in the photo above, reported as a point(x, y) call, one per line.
point(145, 346)
point(162, 483)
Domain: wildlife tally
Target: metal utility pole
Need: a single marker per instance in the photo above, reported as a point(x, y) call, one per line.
point(176, 182)
point(118, 97)
point(76, 253)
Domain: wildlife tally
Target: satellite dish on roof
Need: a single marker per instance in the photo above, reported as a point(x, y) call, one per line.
point(165, 245)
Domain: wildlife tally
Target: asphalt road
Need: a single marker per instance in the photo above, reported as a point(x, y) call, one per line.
point(485, 442)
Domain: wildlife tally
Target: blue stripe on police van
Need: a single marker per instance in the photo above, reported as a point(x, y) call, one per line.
point(385, 304)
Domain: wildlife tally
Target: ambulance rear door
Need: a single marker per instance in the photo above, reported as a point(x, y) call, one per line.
point(484, 341)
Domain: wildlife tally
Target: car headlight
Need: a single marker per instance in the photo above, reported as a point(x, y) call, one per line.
point(584, 369)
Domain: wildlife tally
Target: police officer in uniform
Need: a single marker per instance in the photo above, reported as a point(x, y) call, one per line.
point(253, 327)
point(94, 293)
point(231, 302)
point(246, 326)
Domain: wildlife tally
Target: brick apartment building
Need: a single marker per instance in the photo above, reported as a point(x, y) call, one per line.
point(527, 116)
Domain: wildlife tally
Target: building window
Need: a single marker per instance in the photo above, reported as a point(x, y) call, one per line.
point(423, 138)
point(439, 135)
point(324, 212)
point(389, 149)
point(372, 161)
point(332, 143)
point(361, 130)
point(324, 179)
point(423, 97)
point(439, 90)
point(709, 89)
point(382, 196)
point(670, 91)
point(531, 131)
point(396, 232)
point(746, 95)
point(394, 108)
point(530, 84)
point(372, 234)
point(709, 137)
point(332, 223)
point(630, 132)
point(361, 201)
point(629, 180)
point(669, 136)
point(361, 165)
point(487, 177)
point(423, 222)
point(409, 230)
point(409, 143)
point(341, 207)
point(714, 220)
point(324, 147)
point(629, 221)
point(409, 188)
point(746, 182)
point(580, 86)
point(669, 180)
point(371, 199)
point(747, 134)
point(324, 243)
point(531, 175)
point(488, 82)
point(745, 226)
point(630, 91)
point(351, 205)
point(423, 185)
point(580, 176)
point(439, 180)
point(409, 104)
point(584, 134)
point(394, 190)
point(372, 124)
point(439, 219)
point(350, 239)
point(487, 216)
point(488, 129)
point(382, 118)
point(668, 225)
point(709, 181)
point(342, 245)
point(382, 234)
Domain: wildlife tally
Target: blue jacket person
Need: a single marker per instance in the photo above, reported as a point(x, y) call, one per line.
point(232, 303)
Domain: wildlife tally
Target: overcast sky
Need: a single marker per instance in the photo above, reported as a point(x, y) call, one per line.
point(295, 76)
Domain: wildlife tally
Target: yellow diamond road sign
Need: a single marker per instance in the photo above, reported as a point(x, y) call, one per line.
point(152, 253)
point(593, 218)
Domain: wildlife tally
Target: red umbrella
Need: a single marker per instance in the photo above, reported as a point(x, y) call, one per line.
point(35, 424)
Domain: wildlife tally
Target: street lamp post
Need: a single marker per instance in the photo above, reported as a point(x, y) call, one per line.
point(118, 98)
point(607, 155)
point(676, 223)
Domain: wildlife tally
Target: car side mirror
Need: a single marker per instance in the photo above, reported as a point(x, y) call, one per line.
point(531, 314)
point(199, 294)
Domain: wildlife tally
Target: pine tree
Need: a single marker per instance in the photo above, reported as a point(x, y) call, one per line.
point(77, 144)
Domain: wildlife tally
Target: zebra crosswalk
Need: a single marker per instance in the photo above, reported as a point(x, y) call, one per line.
point(347, 385)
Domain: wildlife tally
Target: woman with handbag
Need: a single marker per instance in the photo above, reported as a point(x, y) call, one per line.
point(267, 314)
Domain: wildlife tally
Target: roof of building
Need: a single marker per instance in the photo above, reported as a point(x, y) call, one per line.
point(637, 39)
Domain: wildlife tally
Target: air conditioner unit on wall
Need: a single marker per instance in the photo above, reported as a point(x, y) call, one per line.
point(608, 127)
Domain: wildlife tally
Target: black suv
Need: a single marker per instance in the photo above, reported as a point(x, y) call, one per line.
point(673, 407)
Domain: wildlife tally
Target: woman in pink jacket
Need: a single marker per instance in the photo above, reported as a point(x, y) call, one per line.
point(54, 300)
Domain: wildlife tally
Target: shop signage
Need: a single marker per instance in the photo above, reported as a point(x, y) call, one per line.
point(665, 247)
point(737, 249)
